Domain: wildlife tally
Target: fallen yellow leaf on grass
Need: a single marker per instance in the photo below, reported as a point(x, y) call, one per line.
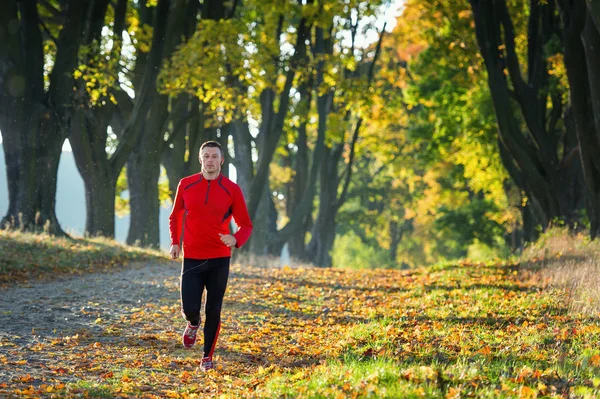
point(185, 376)
point(453, 393)
point(527, 393)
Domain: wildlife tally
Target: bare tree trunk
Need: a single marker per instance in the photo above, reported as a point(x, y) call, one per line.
point(143, 171)
point(98, 178)
point(323, 231)
point(297, 241)
point(142, 180)
point(243, 155)
point(264, 224)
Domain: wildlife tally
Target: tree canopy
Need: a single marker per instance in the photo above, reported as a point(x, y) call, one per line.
point(461, 128)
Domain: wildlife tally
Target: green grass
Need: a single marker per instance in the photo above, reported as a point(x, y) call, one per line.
point(353, 377)
point(454, 361)
point(454, 330)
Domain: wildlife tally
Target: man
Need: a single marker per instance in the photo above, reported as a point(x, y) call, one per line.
point(208, 200)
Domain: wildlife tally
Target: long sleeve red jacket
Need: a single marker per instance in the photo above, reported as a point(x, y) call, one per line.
point(206, 207)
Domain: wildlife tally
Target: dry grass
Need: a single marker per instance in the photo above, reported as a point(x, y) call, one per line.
point(28, 256)
point(570, 262)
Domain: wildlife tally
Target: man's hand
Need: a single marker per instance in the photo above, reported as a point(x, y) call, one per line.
point(228, 240)
point(174, 251)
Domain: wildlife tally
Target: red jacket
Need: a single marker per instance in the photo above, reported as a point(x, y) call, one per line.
point(208, 206)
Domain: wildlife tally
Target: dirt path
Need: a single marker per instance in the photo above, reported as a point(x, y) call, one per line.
point(38, 312)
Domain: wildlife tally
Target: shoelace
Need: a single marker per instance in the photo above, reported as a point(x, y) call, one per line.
point(190, 331)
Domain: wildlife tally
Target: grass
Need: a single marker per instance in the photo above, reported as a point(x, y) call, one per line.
point(456, 330)
point(27, 256)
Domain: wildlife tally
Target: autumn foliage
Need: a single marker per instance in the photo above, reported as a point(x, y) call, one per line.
point(455, 330)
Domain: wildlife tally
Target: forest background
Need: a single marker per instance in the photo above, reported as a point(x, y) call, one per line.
point(465, 130)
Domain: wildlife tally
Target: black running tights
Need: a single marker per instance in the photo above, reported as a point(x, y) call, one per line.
point(196, 275)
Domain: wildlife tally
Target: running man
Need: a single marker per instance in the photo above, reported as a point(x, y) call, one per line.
point(208, 200)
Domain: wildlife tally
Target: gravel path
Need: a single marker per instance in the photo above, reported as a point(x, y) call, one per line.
point(37, 312)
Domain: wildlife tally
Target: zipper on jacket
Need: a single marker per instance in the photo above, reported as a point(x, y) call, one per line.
point(207, 189)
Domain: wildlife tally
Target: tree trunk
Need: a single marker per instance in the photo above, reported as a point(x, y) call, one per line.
point(299, 162)
point(395, 237)
point(264, 224)
point(100, 192)
point(322, 240)
point(582, 63)
point(323, 231)
point(88, 143)
point(32, 166)
point(297, 241)
point(591, 43)
point(594, 10)
point(568, 181)
point(142, 179)
point(143, 171)
point(243, 155)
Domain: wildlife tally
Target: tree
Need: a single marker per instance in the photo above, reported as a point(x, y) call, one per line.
point(254, 79)
point(100, 164)
point(143, 168)
point(538, 149)
point(331, 195)
point(581, 38)
point(35, 104)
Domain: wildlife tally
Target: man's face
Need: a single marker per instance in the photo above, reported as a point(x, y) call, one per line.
point(211, 159)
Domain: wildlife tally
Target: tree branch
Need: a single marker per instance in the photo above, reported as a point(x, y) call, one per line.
point(371, 74)
point(53, 10)
point(47, 32)
point(274, 127)
point(512, 61)
point(132, 131)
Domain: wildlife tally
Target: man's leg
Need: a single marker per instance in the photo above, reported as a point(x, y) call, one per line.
point(216, 284)
point(192, 286)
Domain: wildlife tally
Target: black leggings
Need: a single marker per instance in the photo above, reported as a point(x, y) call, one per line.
point(196, 274)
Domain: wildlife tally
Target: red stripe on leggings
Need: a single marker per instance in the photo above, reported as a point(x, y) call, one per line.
point(212, 350)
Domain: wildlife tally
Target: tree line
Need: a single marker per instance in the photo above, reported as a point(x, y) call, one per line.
point(472, 121)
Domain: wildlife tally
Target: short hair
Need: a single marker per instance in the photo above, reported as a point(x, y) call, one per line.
point(212, 144)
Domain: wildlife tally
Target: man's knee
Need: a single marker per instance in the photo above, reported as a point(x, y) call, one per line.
point(213, 311)
point(191, 314)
